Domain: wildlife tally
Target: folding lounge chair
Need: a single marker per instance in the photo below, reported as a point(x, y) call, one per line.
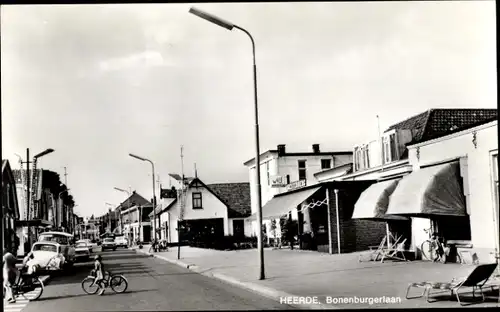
point(375, 251)
point(476, 279)
point(393, 252)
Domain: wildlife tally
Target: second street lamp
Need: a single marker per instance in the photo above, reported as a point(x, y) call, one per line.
point(120, 211)
point(222, 23)
point(154, 192)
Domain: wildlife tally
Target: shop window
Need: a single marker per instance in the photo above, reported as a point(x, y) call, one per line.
point(197, 203)
point(453, 228)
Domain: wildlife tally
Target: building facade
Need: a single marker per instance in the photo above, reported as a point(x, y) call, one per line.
point(135, 220)
point(475, 150)
point(395, 169)
point(221, 208)
point(283, 171)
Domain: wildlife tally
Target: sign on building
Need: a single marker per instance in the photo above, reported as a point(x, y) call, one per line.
point(295, 185)
point(278, 181)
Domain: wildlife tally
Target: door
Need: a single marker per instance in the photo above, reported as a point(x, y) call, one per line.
point(239, 228)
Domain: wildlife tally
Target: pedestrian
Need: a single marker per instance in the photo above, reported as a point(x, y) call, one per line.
point(9, 274)
point(99, 271)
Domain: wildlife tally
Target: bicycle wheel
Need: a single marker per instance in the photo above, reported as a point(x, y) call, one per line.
point(118, 284)
point(34, 291)
point(89, 285)
point(427, 249)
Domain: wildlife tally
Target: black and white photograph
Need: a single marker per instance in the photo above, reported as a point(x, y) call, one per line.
point(249, 156)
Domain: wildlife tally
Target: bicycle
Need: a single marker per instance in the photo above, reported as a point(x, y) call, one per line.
point(110, 280)
point(30, 287)
point(430, 248)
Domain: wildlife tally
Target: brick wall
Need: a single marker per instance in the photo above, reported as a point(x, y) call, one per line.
point(355, 234)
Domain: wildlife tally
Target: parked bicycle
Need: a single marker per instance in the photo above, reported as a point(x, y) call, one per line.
point(432, 249)
point(118, 283)
point(158, 247)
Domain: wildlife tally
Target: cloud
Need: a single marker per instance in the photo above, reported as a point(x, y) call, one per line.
point(144, 59)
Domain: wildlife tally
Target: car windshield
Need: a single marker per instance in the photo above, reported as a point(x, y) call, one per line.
point(81, 245)
point(61, 239)
point(44, 247)
point(108, 240)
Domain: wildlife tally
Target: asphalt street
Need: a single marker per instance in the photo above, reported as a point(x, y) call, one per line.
point(154, 285)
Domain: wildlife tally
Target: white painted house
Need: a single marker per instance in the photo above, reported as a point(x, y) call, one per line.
point(476, 150)
point(221, 206)
point(282, 171)
point(408, 193)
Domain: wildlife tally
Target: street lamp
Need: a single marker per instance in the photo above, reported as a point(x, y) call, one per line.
point(229, 26)
point(154, 192)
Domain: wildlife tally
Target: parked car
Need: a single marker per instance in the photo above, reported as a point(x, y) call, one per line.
point(49, 255)
point(121, 241)
point(108, 243)
point(87, 242)
point(82, 251)
point(66, 244)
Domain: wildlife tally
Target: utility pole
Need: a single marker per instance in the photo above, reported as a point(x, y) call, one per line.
point(181, 211)
point(28, 217)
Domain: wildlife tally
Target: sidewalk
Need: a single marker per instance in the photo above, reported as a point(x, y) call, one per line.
point(309, 274)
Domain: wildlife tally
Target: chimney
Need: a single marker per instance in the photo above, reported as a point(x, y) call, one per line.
point(315, 148)
point(281, 149)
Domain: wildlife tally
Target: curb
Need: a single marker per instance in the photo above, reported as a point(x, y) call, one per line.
point(259, 289)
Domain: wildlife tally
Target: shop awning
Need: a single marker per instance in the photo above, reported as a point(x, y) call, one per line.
point(282, 204)
point(435, 190)
point(374, 201)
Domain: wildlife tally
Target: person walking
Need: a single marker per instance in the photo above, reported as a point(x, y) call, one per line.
point(9, 274)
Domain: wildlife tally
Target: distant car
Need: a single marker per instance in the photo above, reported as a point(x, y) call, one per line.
point(121, 241)
point(82, 251)
point(108, 243)
point(86, 242)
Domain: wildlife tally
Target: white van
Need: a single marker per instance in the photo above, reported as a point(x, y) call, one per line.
point(66, 242)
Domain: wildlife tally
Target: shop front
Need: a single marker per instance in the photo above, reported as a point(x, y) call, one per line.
point(325, 220)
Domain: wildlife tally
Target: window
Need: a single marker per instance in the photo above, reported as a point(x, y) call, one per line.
point(268, 177)
point(302, 170)
point(287, 179)
point(197, 201)
point(325, 164)
point(390, 148)
point(361, 157)
point(366, 155)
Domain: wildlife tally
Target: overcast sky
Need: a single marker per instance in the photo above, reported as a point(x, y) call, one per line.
point(96, 82)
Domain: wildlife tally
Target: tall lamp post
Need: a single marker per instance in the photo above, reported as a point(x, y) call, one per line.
point(128, 205)
point(154, 192)
point(35, 158)
point(229, 26)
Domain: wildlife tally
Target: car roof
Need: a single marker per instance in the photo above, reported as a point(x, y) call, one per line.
point(46, 243)
point(57, 233)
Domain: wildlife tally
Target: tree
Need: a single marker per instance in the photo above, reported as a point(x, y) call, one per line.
point(273, 231)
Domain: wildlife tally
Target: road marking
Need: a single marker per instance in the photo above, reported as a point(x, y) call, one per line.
point(20, 303)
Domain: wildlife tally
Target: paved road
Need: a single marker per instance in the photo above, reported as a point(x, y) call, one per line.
point(153, 285)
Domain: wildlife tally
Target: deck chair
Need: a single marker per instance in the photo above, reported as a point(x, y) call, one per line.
point(476, 279)
point(375, 251)
point(394, 252)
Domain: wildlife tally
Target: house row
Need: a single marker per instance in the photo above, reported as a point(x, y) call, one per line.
point(437, 170)
point(51, 207)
